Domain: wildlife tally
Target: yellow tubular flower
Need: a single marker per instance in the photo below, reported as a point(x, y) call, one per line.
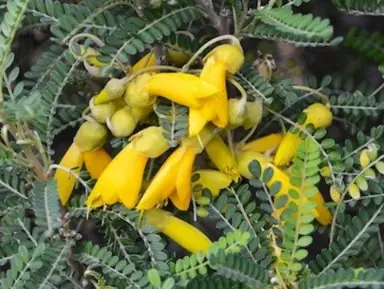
point(177, 230)
point(223, 58)
point(215, 106)
point(221, 157)
point(147, 60)
point(321, 213)
point(319, 116)
point(213, 180)
point(264, 144)
point(96, 162)
point(122, 179)
point(182, 88)
point(72, 160)
point(114, 89)
point(174, 175)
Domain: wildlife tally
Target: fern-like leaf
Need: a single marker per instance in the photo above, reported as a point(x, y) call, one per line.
point(173, 119)
point(358, 278)
point(46, 206)
point(350, 240)
point(136, 33)
point(283, 19)
point(361, 7)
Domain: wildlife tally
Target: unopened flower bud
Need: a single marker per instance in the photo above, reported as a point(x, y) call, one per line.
point(137, 92)
point(236, 112)
point(150, 142)
point(114, 89)
point(102, 112)
point(90, 136)
point(253, 113)
point(122, 123)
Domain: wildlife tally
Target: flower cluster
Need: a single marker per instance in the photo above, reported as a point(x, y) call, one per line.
point(123, 103)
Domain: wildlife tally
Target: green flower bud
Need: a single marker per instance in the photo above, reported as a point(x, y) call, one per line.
point(236, 112)
point(253, 113)
point(90, 136)
point(102, 112)
point(114, 89)
point(122, 123)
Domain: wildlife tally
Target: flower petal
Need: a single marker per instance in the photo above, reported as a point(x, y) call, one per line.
point(182, 88)
point(263, 144)
point(220, 155)
point(178, 203)
point(179, 231)
point(122, 179)
point(184, 174)
point(146, 61)
point(213, 180)
point(96, 162)
point(72, 160)
point(164, 182)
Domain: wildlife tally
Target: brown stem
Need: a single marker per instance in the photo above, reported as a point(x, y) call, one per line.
point(220, 22)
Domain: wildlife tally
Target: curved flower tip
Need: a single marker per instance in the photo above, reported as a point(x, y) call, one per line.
point(174, 175)
point(147, 60)
point(196, 121)
point(324, 215)
point(319, 115)
point(72, 160)
point(182, 88)
point(184, 234)
point(96, 162)
point(264, 144)
point(212, 180)
point(122, 179)
point(221, 157)
point(215, 108)
point(231, 55)
point(287, 149)
point(178, 203)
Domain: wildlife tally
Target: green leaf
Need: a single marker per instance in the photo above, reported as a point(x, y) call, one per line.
point(154, 277)
point(281, 201)
point(304, 241)
point(267, 174)
point(306, 229)
point(168, 283)
point(255, 168)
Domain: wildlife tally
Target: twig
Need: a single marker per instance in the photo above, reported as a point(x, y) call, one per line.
point(220, 22)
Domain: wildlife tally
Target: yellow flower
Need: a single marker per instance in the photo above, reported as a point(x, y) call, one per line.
point(114, 89)
point(72, 160)
point(177, 230)
point(122, 179)
point(182, 88)
point(319, 116)
point(213, 180)
point(174, 175)
point(90, 55)
point(216, 64)
point(221, 157)
point(182, 205)
point(321, 213)
point(147, 60)
point(96, 162)
point(264, 144)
